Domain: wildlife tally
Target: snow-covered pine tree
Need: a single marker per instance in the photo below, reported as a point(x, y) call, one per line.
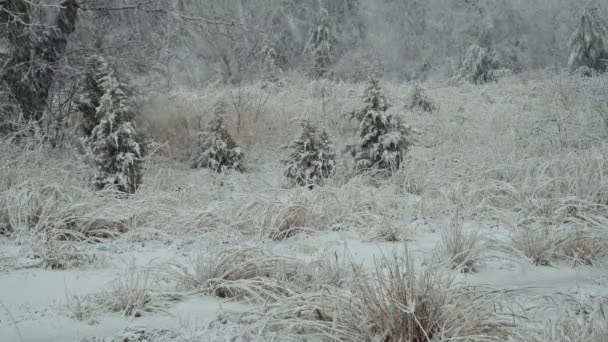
point(374, 101)
point(420, 101)
point(479, 66)
point(217, 150)
point(313, 157)
point(320, 44)
point(91, 94)
point(385, 139)
point(271, 71)
point(589, 44)
point(114, 142)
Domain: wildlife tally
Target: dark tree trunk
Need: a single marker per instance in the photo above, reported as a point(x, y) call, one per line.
point(30, 71)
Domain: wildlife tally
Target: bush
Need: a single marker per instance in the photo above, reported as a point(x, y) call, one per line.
point(420, 101)
point(589, 44)
point(312, 159)
point(217, 150)
point(479, 66)
point(385, 139)
point(114, 142)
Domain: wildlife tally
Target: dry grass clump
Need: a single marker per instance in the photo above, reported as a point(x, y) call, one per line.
point(406, 304)
point(554, 207)
point(240, 273)
point(581, 242)
point(130, 295)
point(397, 302)
point(463, 248)
point(579, 322)
point(538, 244)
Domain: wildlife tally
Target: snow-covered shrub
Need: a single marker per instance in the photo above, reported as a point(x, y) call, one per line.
point(115, 144)
point(420, 101)
point(479, 66)
point(313, 157)
point(216, 148)
point(589, 44)
point(385, 139)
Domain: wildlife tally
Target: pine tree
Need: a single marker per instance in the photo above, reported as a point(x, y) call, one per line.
point(271, 71)
point(217, 150)
point(114, 142)
point(320, 44)
point(312, 159)
point(385, 139)
point(589, 44)
point(374, 101)
point(479, 66)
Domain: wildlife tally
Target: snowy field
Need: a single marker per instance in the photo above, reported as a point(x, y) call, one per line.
point(495, 229)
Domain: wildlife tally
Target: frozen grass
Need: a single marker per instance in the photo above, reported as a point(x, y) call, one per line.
point(239, 273)
point(578, 320)
point(396, 302)
point(464, 249)
point(131, 295)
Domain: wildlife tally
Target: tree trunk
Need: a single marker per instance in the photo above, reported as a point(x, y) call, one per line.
point(29, 73)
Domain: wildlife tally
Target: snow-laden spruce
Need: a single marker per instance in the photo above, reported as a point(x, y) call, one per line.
point(320, 44)
point(479, 66)
point(216, 148)
point(589, 44)
point(313, 158)
point(272, 73)
point(113, 141)
point(374, 100)
point(385, 138)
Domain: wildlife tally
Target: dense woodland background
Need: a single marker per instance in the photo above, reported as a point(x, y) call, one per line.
point(193, 42)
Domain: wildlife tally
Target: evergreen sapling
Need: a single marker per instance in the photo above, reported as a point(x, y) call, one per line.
point(384, 138)
point(217, 150)
point(374, 100)
point(114, 142)
point(313, 158)
point(589, 44)
point(320, 44)
point(479, 66)
point(420, 101)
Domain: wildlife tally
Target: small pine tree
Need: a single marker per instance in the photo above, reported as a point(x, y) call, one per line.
point(271, 71)
point(420, 101)
point(312, 159)
point(374, 101)
point(479, 66)
point(217, 151)
point(589, 44)
point(114, 142)
point(385, 139)
point(320, 44)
